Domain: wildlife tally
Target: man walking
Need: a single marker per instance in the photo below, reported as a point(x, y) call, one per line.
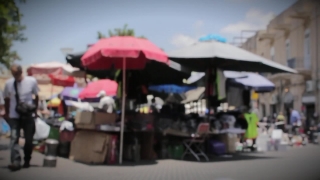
point(20, 109)
point(295, 120)
point(2, 112)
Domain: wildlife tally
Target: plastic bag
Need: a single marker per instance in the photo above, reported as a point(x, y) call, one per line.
point(42, 130)
point(4, 127)
point(66, 125)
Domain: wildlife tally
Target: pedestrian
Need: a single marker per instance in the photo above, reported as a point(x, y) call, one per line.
point(2, 112)
point(295, 120)
point(281, 121)
point(252, 129)
point(21, 110)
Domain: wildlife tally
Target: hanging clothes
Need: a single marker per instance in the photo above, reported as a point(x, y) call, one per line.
point(246, 97)
point(119, 81)
point(210, 84)
point(252, 130)
point(234, 96)
point(221, 83)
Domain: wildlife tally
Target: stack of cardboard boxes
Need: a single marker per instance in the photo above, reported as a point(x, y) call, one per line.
point(93, 120)
point(90, 145)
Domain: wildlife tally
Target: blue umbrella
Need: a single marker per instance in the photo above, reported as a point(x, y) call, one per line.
point(215, 37)
point(170, 88)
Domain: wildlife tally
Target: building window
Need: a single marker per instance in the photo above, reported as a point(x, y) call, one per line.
point(288, 54)
point(291, 63)
point(272, 53)
point(307, 58)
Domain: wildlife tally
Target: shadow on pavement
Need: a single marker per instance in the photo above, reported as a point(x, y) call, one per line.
point(31, 166)
point(127, 163)
point(4, 147)
point(235, 157)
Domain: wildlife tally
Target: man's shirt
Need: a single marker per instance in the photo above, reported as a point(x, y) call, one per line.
point(1, 98)
point(295, 117)
point(27, 88)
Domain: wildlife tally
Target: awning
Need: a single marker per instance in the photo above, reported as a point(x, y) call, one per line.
point(308, 99)
point(245, 79)
point(256, 82)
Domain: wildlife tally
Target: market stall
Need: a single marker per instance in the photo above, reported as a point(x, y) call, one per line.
point(133, 125)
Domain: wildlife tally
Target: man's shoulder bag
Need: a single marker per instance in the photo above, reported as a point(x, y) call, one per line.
point(22, 108)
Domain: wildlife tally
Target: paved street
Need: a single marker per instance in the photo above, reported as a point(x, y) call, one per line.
point(296, 163)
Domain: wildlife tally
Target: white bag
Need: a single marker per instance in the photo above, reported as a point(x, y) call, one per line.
point(42, 130)
point(277, 134)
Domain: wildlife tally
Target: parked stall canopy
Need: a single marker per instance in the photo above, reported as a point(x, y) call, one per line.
point(203, 55)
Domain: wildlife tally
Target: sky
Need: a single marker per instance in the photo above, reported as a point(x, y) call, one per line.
point(53, 25)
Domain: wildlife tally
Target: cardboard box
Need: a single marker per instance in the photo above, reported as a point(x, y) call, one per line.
point(90, 120)
point(90, 147)
point(104, 118)
point(84, 120)
point(145, 117)
point(83, 117)
point(147, 141)
point(230, 141)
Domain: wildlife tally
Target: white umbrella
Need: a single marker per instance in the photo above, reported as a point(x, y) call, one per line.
point(51, 67)
point(257, 82)
point(196, 76)
point(247, 79)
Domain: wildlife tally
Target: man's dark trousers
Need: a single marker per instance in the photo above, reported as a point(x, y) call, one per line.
point(28, 126)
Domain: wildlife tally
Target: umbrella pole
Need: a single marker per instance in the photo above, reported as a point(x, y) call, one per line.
point(51, 92)
point(122, 108)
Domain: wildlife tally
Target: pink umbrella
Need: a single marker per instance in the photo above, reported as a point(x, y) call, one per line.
point(122, 52)
point(93, 88)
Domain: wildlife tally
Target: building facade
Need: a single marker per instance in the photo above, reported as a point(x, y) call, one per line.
point(292, 38)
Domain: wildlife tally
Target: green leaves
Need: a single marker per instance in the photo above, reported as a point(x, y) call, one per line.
point(125, 31)
point(11, 31)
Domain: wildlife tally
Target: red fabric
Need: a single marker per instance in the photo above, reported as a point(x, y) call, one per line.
point(62, 80)
point(66, 136)
point(112, 153)
point(60, 109)
point(93, 88)
point(144, 89)
point(109, 52)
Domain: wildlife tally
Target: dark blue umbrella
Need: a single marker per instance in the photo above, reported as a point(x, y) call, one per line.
point(170, 88)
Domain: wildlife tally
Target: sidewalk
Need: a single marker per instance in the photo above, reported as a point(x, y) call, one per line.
point(297, 163)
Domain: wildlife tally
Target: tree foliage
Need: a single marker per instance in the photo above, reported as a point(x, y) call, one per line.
point(11, 31)
point(125, 31)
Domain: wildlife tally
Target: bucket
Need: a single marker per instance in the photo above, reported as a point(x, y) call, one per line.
point(49, 161)
point(51, 147)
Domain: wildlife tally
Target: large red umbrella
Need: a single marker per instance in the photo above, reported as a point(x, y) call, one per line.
point(122, 52)
point(93, 88)
point(62, 80)
point(110, 52)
